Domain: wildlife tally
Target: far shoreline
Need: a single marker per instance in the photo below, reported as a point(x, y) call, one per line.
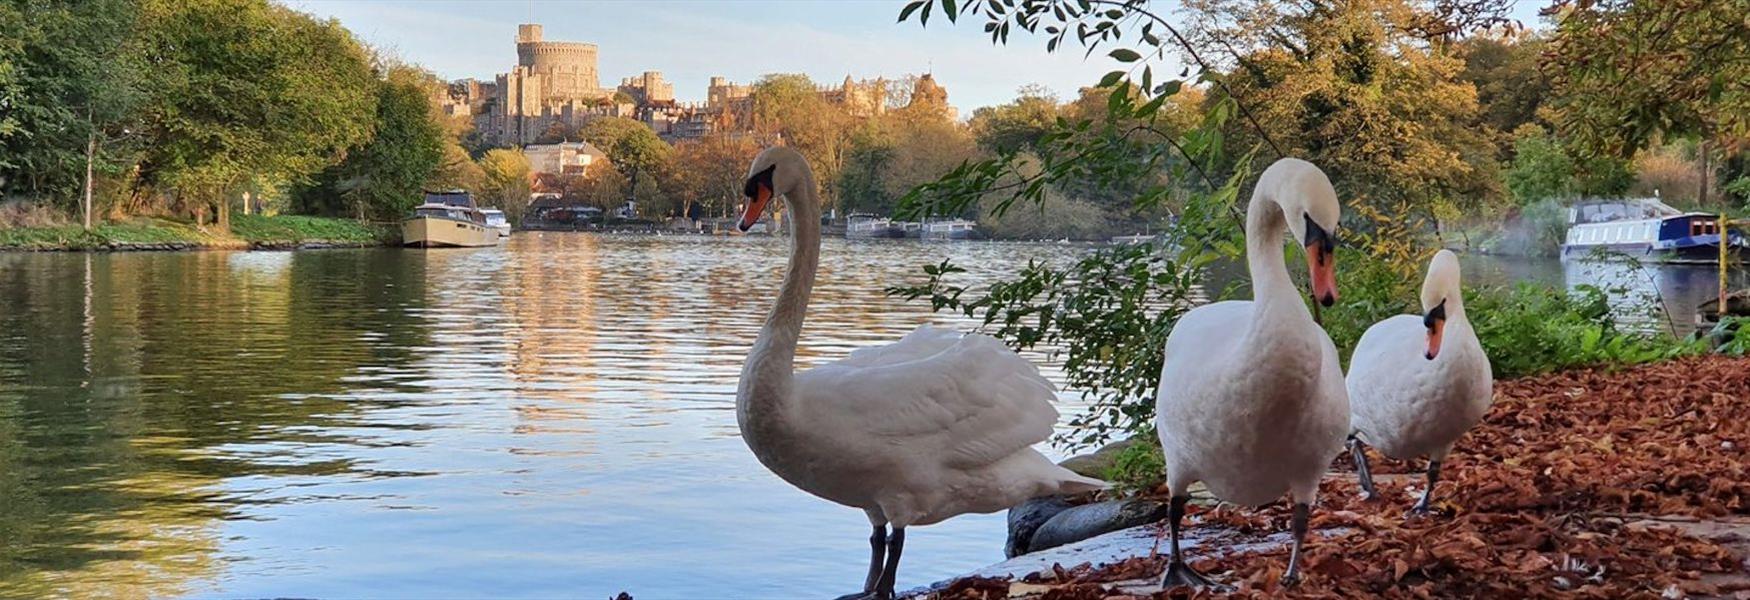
point(247, 233)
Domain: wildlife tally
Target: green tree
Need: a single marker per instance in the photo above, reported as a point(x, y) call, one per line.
point(505, 182)
point(1504, 69)
point(245, 91)
point(69, 84)
point(1544, 168)
point(630, 145)
point(383, 178)
point(1017, 125)
point(1628, 74)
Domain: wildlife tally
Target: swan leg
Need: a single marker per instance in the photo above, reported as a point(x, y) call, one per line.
point(1360, 455)
point(1298, 526)
point(895, 545)
point(1421, 507)
point(877, 553)
point(1178, 573)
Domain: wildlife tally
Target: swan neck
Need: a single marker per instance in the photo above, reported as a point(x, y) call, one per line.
point(1265, 228)
point(774, 352)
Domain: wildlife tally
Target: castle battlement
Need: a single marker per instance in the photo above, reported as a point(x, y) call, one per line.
point(558, 83)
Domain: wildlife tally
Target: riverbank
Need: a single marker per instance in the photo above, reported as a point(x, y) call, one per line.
point(1594, 482)
point(252, 232)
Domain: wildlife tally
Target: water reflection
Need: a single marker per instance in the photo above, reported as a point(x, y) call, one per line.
point(548, 418)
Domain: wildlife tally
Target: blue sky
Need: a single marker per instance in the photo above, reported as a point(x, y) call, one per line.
point(691, 40)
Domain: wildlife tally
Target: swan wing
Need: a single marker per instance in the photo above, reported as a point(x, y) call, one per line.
point(923, 342)
point(969, 403)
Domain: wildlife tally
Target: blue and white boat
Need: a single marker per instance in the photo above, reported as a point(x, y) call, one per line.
point(1648, 229)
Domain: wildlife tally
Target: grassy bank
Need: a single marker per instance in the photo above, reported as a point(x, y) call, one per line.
point(247, 231)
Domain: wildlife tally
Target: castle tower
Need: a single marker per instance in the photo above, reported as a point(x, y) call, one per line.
point(568, 69)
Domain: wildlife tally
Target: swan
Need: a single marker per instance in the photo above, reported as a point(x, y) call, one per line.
point(1251, 400)
point(935, 425)
point(1416, 384)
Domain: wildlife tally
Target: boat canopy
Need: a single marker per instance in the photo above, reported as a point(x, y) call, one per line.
point(457, 198)
point(1629, 209)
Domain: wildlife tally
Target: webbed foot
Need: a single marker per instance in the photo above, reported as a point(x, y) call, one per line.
point(1180, 574)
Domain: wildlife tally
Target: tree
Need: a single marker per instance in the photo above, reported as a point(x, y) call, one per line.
point(630, 145)
point(244, 90)
point(1017, 125)
point(383, 178)
point(68, 84)
point(1627, 74)
point(1351, 89)
point(506, 182)
point(1543, 168)
point(902, 149)
point(710, 172)
point(789, 105)
point(1504, 70)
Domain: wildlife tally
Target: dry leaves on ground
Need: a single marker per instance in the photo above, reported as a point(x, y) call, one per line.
point(1541, 501)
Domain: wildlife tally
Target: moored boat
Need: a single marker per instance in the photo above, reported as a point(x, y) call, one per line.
point(448, 219)
point(952, 229)
point(867, 226)
point(1646, 228)
point(495, 219)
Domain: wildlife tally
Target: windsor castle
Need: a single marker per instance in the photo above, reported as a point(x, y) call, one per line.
point(557, 83)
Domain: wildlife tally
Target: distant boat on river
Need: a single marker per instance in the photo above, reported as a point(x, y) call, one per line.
point(1648, 229)
point(496, 220)
point(952, 229)
point(448, 219)
point(867, 226)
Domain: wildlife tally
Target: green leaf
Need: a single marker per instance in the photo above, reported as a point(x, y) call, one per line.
point(1125, 55)
point(1111, 78)
point(949, 9)
point(909, 9)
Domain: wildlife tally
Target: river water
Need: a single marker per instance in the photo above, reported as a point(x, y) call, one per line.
point(550, 418)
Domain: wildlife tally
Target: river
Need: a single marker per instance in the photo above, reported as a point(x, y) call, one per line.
point(550, 418)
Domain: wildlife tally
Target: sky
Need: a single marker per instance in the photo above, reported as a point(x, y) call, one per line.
point(691, 40)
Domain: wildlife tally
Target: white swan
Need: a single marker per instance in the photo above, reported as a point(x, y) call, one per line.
point(1251, 398)
point(1416, 384)
point(929, 427)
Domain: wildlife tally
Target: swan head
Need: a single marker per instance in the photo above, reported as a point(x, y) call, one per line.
point(777, 171)
point(1439, 291)
point(1310, 206)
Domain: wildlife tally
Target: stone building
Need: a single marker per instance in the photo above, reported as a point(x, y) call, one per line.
point(865, 98)
point(565, 158)
point(557, 82)
point(647, 89)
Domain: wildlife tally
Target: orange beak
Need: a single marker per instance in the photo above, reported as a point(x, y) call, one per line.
point(1321, 262)
point(1434, 333)
point(756, 206)
point(1435, 321)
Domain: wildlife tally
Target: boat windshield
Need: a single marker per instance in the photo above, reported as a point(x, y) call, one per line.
point(1622, 210)
point(441, 211)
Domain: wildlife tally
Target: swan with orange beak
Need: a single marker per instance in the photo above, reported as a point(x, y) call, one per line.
point(1417, 383)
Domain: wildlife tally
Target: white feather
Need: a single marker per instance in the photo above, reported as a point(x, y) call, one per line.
point(1406, 405)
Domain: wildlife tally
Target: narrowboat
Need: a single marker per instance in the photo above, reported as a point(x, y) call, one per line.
point(867, 226)
point(1648, 229)
point(448, 219)
point(951, 229)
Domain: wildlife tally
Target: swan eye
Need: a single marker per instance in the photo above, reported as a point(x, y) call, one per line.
point(1435, 316)
point(761, 178)
point(1317, 237)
